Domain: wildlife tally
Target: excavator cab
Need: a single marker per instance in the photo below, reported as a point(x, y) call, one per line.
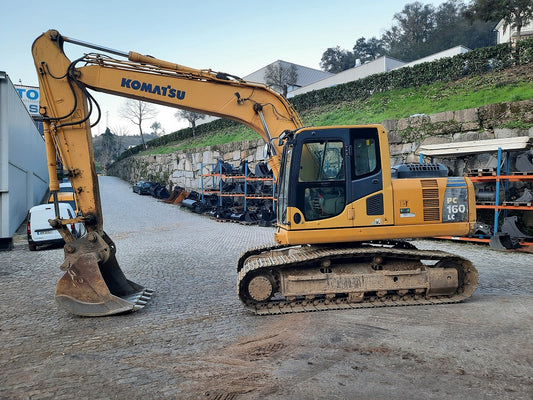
point(324, 171)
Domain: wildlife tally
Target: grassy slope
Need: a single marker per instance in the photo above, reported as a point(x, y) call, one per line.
point(511, 85)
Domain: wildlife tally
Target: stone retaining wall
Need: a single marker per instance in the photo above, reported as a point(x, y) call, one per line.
point(184, 168)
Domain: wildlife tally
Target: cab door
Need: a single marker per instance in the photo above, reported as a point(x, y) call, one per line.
point(320, 187)
point(370, 184)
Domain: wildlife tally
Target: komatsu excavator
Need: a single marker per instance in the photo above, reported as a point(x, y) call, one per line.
point(341, 211)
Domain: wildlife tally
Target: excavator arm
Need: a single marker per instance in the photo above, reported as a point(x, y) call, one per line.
point(94, 283)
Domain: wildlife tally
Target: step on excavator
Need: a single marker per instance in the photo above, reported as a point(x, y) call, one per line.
point(342, 213)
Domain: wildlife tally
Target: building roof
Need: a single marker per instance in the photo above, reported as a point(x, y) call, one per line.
point(306, 75)
point(381, 64)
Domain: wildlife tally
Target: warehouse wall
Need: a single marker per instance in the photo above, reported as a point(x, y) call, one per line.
point(23, 172)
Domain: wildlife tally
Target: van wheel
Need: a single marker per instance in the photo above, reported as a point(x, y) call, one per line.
point(32, 247)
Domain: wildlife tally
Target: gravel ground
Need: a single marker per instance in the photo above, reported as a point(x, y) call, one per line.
point(195, 340)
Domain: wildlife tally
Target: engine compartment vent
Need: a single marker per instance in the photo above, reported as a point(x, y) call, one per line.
point(419, 170)
point(430, 198)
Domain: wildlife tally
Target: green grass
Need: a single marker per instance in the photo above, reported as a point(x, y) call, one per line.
point(505, 86)
point(237, 133)
point(425, 100)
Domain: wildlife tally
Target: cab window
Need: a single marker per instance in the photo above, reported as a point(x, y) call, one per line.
point(321, 179)
point(365, 151)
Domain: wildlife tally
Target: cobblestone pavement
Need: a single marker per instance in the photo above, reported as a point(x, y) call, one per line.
point(195, 340)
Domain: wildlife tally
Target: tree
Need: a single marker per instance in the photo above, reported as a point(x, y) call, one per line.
point(137, 112)
point(281, 77)
point(120, 130)
point(514, 13)
point(418, 31)
point(156, 128)
point(107, 149)
point(407, 39)
point(452, 28)
point(336, 60)
point(190, 116)
point(368, 50)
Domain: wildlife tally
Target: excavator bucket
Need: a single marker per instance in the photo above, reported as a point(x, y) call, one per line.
point(502, 241)
point(94, 284)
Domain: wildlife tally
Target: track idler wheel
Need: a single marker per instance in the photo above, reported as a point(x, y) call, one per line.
point(261, 287)
point(94, 284)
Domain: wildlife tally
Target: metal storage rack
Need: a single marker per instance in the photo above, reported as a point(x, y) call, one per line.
point(244, 178)
point(498, 146)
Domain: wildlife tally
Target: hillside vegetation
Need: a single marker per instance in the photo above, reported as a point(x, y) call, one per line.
point(480, 77)
point(510, 85)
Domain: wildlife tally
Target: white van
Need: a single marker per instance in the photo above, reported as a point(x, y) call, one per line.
point(39, 230)
point(65, 195)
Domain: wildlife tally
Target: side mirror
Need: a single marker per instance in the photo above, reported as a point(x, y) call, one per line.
point(266, 151)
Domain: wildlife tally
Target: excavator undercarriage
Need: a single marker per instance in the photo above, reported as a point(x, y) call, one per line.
point(288, 279)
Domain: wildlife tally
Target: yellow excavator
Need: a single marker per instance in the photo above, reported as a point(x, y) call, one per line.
point(342, 212)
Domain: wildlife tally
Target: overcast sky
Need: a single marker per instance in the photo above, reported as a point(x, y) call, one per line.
point(237, 37)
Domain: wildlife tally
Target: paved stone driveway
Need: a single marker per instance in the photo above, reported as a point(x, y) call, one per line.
point(194, 340)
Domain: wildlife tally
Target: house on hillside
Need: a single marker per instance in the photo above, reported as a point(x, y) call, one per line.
point(509, 34)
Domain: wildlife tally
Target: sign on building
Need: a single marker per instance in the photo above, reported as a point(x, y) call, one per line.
point(30, 98)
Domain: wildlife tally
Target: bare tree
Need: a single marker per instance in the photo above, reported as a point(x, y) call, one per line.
point(190, 116)
point(137, 112)
point(106, 151)
point(120, 130)
point(280, 77)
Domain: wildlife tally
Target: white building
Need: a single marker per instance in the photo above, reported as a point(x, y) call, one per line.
point(23, 166)
point(454, 51)
point(381, 64)
point(506, 33)
point(311, 79)
point(306, 75)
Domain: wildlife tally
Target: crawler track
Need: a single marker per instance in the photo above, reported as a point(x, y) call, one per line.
point(399, 258)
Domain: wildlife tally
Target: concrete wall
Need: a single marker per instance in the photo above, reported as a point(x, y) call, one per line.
point(23, 173)
point(184, 168)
